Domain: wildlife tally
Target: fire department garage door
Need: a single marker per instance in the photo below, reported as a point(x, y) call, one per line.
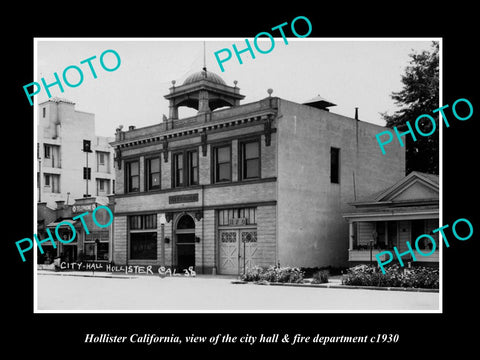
point(237, 248)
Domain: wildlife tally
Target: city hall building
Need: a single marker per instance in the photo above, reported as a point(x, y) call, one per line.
point(238, 185)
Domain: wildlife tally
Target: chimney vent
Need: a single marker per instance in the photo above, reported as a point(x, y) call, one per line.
point(356, 113)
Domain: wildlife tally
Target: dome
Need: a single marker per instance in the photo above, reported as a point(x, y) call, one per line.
point(202, 75)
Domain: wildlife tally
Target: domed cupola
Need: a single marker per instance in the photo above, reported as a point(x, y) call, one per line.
point(204, 91)
point(204, 75)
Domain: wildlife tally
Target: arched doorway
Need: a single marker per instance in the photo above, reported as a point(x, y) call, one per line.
point(185, 242)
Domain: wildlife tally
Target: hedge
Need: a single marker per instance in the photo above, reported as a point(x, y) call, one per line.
point(395, 276)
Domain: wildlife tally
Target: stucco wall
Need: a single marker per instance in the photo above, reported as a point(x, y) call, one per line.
point(311, 230)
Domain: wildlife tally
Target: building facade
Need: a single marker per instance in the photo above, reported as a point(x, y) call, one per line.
point(90, 243)
point(391, 217)
point(263, 183)
point(65, 172)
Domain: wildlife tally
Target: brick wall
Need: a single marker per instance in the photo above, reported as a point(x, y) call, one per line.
point(268, 157)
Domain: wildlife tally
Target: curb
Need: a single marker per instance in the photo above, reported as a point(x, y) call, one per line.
point(338, 286)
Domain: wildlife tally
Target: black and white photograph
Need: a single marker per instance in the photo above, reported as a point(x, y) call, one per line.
point(207, 196)
point(211, 183)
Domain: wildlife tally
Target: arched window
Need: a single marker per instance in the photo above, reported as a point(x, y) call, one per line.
point(186, 222)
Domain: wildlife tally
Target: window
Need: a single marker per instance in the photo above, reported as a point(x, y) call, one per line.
point(178, 170)
point(133, 176)
point(46, 150)
point(153, 173)
point(334, 165)
point(103, 186)
point(143, 243)
point(238, 216)
point(96, 250)
point(192, 166)
point(143, 246)
point(52, 182)
point(103, 161)
point(222, 164)
point(250, 160)
point(52, 152)
point(143, 222)
point(185, 168)
point(56, 184)
point(44, 111)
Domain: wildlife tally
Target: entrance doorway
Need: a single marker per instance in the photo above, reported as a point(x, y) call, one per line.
point(69, 253)
point(185, 242)
point(237, 250)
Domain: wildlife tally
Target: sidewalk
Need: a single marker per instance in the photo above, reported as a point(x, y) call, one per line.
point(334, 282)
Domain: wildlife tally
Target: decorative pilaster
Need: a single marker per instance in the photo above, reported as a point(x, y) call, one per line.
point(267, 130)
point(118, 157)
point(203, 138)
point(165, 149)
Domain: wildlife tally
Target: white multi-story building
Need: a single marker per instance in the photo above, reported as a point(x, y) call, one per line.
point(62, 163)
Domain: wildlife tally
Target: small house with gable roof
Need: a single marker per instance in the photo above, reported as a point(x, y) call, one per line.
point(393, 216)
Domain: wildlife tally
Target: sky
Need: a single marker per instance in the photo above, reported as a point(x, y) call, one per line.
point(347, 72)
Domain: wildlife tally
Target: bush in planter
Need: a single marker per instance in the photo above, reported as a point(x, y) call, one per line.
point(274, 274)
point(395, 276)
point(320, 277)
point(295, 275)
point(252, 274)
point(421, 277)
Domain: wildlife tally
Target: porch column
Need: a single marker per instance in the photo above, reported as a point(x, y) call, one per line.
point(351, 234)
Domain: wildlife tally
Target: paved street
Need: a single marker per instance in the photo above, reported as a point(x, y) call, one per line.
point(213, 293)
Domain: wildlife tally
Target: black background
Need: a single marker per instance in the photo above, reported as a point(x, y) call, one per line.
point(62, 335)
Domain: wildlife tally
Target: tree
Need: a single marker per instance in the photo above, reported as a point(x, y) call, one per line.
point(420, 95)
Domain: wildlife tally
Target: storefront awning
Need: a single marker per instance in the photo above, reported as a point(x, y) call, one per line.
point(55, 223)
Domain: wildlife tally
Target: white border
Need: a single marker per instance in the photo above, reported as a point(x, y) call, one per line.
point(336, 39)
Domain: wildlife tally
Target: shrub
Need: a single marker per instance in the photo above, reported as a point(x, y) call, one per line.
point(395, 276)
point(274, 274)
point(252, 274)
point(422, 277)
point(320, 277)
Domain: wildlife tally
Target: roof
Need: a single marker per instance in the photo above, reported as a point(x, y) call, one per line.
point(429, 180)
point(204, 75)
point(58, 100)
point(58, 221)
